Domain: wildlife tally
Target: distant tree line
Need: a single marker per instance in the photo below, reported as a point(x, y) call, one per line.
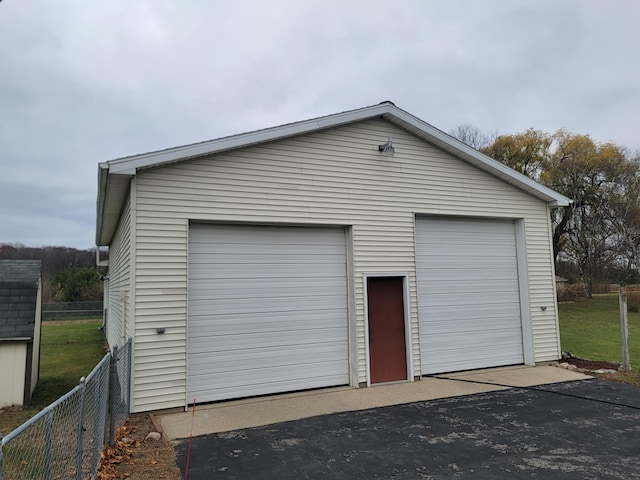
point(597, 238)
point(68, 274)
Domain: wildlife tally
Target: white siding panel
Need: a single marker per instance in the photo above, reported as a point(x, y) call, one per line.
point(333, 177)
point(161, 290)
point(267, 310)
point(118, 284)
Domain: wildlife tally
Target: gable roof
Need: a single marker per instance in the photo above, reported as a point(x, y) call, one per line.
point(20, 271)
point(19, 282)
point(114, 176)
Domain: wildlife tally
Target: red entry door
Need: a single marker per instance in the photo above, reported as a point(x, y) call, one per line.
point(387, 348)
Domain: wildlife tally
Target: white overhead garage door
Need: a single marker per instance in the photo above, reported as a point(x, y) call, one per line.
point(468, 295)
point(267, 310)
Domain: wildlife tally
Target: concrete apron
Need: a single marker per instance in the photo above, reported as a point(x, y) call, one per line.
point(259, 411)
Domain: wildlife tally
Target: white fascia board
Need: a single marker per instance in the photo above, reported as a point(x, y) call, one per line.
point(103, 179)
point(112, 190)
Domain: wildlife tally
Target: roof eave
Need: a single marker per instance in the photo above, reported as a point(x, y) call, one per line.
point(112, 191)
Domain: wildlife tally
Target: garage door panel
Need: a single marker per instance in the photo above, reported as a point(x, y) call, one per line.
point(449, 262)
point(285, 284)
point(200, 233)
point(326, 319)
point(486, 356)
point(266, 356)
point(473, 326)
point(267, 310)
point(454, 229)
point(255, 379)
point(468, 294)
point(265, 342)
point(472, 338)
point(240, 249)
point(237, 338)
point(234, 271)
point(465, 298)
point(262, 305)
point(269, 291)
point(253, 389)
point(250, 323)
point(464, 284)
point(258, 259)
point(270, 373)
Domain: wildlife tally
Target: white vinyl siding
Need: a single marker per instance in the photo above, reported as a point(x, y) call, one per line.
point(118, 283)
point(334, 177)
point(468, 294)
point(267, 310)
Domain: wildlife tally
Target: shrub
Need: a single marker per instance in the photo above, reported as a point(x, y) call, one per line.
point(603, 288)
point(570, 292)
point(77, 285)
point(633, 300)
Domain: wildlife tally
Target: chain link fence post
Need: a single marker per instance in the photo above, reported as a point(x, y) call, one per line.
point(1, 437)
point(112, 395)
point(80, 442)
point(100, 419)
point(47, 445)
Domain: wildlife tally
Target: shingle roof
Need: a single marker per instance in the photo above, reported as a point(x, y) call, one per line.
point(19, 281)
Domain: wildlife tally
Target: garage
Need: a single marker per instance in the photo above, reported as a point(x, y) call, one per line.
point(283, 259)
point(267, 310)
point(468, 294)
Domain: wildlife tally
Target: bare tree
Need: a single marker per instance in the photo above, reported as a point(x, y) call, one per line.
point(473, 136)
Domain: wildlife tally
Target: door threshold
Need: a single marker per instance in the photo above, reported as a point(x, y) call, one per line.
point(392, 382)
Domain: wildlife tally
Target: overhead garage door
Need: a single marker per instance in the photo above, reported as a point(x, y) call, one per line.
point(468, 295)
point(267, 310)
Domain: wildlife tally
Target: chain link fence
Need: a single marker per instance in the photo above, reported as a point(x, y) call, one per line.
point(72, 311)
point(64, 441)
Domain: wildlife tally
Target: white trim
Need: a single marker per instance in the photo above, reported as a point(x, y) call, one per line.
point(553, 275)
point(133, 299)
point(407, 324)
point(186, 321)
point(523, 288)
point(352, 328)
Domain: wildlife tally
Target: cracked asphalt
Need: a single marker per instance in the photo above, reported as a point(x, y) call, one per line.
point(587, 429)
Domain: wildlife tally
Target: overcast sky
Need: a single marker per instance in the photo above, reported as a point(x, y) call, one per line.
point(82, 82)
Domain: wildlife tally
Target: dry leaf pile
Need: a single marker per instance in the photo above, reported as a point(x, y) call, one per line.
point(132, 457)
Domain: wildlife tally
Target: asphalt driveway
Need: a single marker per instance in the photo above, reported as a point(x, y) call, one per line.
point(588, 429)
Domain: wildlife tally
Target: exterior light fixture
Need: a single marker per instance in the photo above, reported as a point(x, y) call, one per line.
point(387, 148)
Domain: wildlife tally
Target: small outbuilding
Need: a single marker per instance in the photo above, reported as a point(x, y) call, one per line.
point(354, 249)
point(20, 324)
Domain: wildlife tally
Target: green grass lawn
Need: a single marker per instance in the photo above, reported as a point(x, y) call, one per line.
point(69, 350)
point(590, 328)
